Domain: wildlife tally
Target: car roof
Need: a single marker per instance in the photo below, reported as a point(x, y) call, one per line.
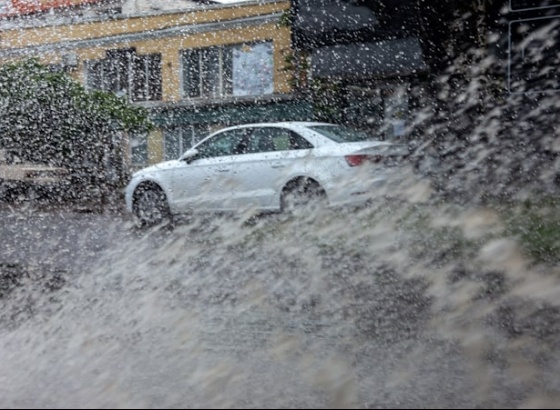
point(292, 124)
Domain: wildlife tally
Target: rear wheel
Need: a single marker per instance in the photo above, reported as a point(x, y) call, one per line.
point(304, 193)
point(151, 207)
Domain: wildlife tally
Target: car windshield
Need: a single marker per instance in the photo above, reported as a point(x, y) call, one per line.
point(341, 134)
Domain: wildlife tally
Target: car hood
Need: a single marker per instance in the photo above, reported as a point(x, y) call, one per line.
point(164, 166)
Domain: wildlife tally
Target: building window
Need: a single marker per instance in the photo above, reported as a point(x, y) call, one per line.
point(534, 57)
point(178, 140)
point(382, 108)
point(240, 70)
point(147, 80)
point(396, 102)
point(139, 149)
point(127, 74)
point(521, 5)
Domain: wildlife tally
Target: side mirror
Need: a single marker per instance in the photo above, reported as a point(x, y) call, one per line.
point(189, 155)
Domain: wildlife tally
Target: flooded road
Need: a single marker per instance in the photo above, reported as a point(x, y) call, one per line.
point(336, 310)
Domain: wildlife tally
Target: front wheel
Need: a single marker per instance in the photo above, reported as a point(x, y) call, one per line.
point(151, 207)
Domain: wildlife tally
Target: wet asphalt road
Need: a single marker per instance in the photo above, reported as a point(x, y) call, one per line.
point(260, 358)
point(57, 238)
point(249, 357)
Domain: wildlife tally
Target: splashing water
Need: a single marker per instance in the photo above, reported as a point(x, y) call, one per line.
point(403, 303)
point(409, 302)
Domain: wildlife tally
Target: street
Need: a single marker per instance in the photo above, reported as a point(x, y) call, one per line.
point(215, 314)
point(62, 240)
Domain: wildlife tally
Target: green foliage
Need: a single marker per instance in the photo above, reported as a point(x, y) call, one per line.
point(538, 229)
point(327, 95)
point(49, 117)
point(286, 19)
point(534, 224)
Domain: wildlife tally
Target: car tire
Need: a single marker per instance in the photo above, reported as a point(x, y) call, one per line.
point(303, 194)
point(151, 207)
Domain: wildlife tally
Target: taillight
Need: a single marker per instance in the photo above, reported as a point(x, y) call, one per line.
point(357, 160)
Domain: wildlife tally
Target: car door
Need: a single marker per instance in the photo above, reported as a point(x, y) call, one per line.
point(204, 182)
point(273, 154)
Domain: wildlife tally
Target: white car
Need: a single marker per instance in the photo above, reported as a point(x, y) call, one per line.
point(265, 167)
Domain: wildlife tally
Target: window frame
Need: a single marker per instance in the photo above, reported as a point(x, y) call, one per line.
point(119, 67)
point(226, 85)
point(202, 74)
point(143, 145)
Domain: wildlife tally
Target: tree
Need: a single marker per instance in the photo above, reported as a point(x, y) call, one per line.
point(50, 118)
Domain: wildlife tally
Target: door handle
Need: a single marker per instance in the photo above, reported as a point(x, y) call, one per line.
point(278, 165)
point(224, 170)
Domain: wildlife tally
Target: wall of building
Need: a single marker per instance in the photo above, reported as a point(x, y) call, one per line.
point(170, 48)
point(75, 45)
point(60, 34)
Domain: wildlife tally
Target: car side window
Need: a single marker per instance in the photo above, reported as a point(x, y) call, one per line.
point(298, 142)
point(228, 143)
point(271, 139)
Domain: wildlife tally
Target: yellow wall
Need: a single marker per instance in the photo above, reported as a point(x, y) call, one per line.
point(18, 38)
point(169, 47)
point(155, 147)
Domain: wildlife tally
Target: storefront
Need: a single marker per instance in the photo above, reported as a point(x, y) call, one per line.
point(379, 82)
point(366, 75)
point(184, 125)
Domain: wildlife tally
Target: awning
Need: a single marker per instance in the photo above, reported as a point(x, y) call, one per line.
point(275, 108)
point(317, 22)
point(315, 18)
point(365, 60)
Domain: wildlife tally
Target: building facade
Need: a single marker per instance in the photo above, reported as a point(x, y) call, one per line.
point(199, 65)
point(196, 69)
point(382, 59)
point(529, 32)
point(369, 61)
